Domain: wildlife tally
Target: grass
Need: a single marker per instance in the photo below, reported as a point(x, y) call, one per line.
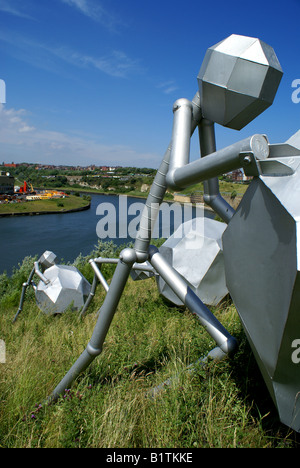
point(38, 206)
point(225, 405)
point(225, 187)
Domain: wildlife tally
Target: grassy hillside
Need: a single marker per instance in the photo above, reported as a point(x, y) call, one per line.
point(225, 405)
point(38, 206)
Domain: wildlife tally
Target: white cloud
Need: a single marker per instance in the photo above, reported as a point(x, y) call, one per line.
point(114, 63)
point(20, 142)
point(168, 87)
point(13, 8)
point(95, 11)
point(85, 7)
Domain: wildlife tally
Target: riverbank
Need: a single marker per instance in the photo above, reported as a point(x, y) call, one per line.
point(232, 193)
point(69, 204)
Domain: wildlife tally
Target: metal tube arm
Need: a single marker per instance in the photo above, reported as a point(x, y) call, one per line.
point(157, 192)
point(240, 154)
point(99, 275)
point(40, 274)
point(212, 196)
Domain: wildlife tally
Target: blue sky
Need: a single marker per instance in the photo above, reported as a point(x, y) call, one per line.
point(94, 81)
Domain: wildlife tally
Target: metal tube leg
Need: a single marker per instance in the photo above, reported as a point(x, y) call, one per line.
point(106, 314)
point(215, 354)
point(91, 295)
point(24, 287)
point(224, 340)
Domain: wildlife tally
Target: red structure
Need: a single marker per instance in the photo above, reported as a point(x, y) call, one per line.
point(24, 188)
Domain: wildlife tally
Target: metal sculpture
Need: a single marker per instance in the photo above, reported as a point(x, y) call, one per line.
point(60, 286)
point(237, 81)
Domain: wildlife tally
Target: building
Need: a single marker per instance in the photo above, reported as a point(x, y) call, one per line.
point(7, 183)
point(238, 176)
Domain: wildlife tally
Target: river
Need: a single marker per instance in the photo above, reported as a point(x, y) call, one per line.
point(110, 218)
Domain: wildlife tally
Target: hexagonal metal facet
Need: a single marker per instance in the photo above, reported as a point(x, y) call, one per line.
point(238, 80)
point(47, 259)
point(294, 140)
point(195, 251)
point(262, 266)
point(67, 287)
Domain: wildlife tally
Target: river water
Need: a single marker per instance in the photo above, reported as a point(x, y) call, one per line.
point(67, 235)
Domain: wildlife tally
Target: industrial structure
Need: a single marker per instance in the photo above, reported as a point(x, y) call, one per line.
point(9, 192)
point(7, 183)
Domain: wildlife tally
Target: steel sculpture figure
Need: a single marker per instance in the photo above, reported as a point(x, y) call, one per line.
point(237, 81)
point(60, 286)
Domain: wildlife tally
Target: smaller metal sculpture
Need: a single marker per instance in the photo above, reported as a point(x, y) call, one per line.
point(60, 286)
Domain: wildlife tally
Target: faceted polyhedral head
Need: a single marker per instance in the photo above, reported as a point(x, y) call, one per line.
point(238, 80)
point(47, 260)
point(67, 287)
point(195, 251)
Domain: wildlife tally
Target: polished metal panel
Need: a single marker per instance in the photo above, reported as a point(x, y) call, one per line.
point(195, 252)
point(238, 80)
point(261, 253)
point(294, 140)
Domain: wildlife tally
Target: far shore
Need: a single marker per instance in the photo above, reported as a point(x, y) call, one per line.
point(40, 207)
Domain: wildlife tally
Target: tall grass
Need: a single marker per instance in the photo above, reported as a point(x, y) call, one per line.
point(224, 405)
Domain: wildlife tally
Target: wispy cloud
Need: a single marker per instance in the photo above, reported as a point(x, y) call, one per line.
point(21, 141)
point(15, 8)
point(95, 11)
point(168, 87)
point(115, 63)
point(86, 7)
